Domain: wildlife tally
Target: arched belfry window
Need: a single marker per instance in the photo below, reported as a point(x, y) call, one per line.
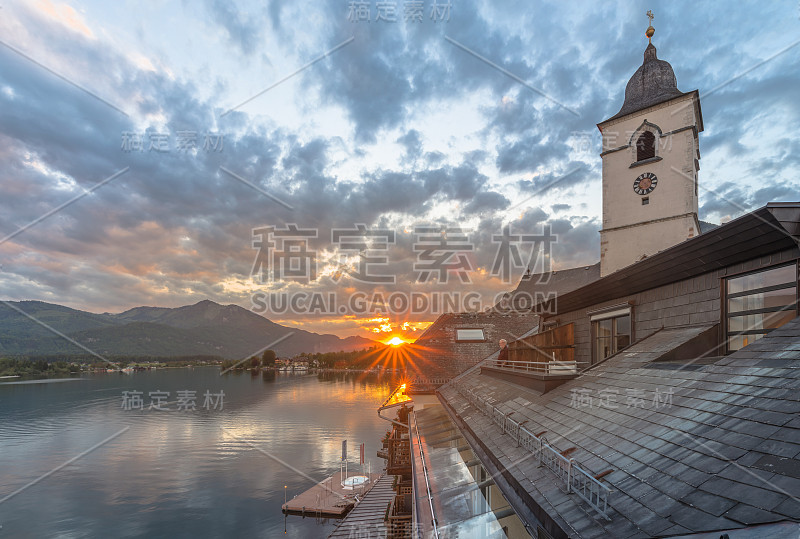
point(645, 146)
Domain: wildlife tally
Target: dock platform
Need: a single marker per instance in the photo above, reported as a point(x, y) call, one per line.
point(366, 518)
point(328, 498)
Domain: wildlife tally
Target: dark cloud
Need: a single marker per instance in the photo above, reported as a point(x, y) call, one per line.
point(176, 228)
point(307, 158)
point(242, 29)
point(578, 242)
point(486, 202)
point(412, 142)
point(730, 199)
point(573, 177)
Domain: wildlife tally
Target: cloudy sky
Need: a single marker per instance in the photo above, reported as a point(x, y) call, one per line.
point(191, 124)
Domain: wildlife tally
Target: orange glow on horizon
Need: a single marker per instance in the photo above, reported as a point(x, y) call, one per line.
point(395, 341)
point(408, 358)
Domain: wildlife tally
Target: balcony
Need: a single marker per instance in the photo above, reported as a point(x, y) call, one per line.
point(399, 517)
point(540, 362)
point(398, 452)
point(402, 485)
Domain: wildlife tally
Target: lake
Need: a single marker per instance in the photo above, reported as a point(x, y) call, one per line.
point(178, 473)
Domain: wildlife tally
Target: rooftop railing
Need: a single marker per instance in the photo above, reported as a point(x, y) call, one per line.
point(550, 368)
point(428, 380)
point(576, 479)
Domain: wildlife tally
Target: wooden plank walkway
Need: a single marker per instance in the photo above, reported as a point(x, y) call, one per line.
point(366, 518)
point(327, 498)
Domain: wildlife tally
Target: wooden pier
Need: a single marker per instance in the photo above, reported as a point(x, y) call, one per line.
point(366, 518)
point(328, 499)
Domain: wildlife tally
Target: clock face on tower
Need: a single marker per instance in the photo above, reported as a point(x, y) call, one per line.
point(644, 184)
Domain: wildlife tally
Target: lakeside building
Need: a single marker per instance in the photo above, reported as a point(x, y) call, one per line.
point(300, 363)
point(658, 397)
point(297, 363)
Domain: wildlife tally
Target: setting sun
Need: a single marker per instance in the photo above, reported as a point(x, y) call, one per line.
point(395, 341)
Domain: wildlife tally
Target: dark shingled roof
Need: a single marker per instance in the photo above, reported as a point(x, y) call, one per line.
point(558, 282)
point(723, 454)
point(653, 83)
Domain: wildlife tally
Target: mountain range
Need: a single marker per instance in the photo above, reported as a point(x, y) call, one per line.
point(205, 328)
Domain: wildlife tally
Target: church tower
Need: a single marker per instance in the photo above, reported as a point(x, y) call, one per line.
point(651, 157)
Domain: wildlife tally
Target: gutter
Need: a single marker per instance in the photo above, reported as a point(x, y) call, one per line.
point(385, 406)
point(392, 421)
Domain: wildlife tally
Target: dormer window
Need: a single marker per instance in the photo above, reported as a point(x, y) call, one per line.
point(470, 335)
point(645, 146)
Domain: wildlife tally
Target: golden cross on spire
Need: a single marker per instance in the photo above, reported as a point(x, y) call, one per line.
point(650, 30)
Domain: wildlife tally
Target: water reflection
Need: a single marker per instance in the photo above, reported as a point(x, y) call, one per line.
point(199, 472)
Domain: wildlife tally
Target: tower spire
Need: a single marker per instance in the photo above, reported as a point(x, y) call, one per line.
point(650, 30)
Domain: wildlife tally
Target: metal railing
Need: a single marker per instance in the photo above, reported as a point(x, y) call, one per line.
point(537, 367)
point(419, 380)
point(576, 479)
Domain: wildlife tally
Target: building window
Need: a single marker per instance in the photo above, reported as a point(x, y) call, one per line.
point(470, 335)
point(612, 333)
point(758, 302)
point(645, 146)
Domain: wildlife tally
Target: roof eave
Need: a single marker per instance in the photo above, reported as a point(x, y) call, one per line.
point(619, 115)
point(754, 234)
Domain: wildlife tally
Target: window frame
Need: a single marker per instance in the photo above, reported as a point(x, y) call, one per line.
point(727, 315)
point(459, 340)
point(612, 313)
point(652, 149)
